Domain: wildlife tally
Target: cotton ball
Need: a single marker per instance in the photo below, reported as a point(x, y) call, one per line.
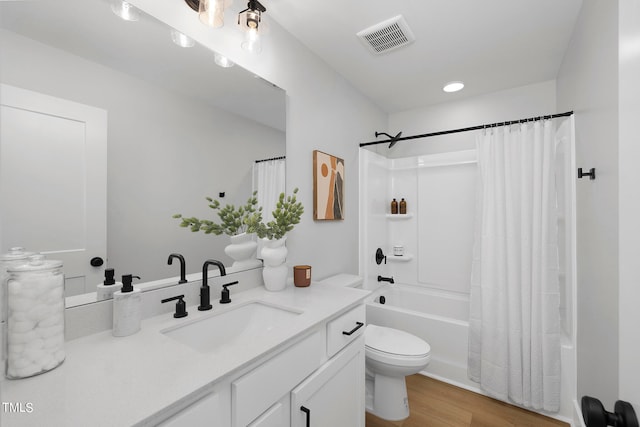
point(15, 349)
point(28, 371)
point(35, 344)
point(18, 316)
point(21, 327)
point(14, 287)
point(54, 343)
point(53, 295)
point(50, 331)
point(19, 363)
point(55, 319)
point(45, 360)
point(19, 304)
point(39, 312)
point(59, 356)
point(21, 338)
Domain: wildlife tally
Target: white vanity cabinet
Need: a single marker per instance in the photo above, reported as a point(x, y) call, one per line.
point(324, 372)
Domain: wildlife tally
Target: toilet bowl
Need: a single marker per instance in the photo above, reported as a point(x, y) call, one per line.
point(391, 355)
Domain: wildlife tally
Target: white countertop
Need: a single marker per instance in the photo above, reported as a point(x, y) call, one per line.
point(110, 381)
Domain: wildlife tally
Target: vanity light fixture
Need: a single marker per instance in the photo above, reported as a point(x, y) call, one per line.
point(453, 86)
point(181, 40)
point(249, 21)
point(223, 61)
point(211, 12)
point(125, 10)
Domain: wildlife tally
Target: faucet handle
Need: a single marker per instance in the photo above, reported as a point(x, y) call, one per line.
point(181, 307)
point(224, 298)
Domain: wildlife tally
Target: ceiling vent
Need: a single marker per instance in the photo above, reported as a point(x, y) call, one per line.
point(387, 36)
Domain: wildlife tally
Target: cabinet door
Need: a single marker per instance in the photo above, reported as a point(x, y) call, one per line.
point(334, 394)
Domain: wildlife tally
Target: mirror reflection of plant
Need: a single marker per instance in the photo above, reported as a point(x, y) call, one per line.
point(286, 215)
point(234, 220)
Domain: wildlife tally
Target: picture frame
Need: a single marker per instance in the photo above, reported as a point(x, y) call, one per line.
point(328, 187)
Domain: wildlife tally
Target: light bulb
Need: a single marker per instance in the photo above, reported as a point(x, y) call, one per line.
point(252, 42)
point(211, 13)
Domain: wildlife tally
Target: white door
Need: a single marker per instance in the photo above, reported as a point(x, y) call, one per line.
point(53, 182)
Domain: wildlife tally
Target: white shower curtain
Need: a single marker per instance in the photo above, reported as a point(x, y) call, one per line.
point(514, 325)
point(269, 181)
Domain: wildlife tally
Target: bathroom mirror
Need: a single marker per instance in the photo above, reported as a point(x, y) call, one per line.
point(179, 127)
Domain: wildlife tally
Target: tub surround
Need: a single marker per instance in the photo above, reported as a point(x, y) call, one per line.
point(141, 378)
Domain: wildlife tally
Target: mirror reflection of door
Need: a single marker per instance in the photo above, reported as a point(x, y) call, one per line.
point(53, 163)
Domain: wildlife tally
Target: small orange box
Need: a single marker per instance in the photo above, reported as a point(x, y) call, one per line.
point(302, 275)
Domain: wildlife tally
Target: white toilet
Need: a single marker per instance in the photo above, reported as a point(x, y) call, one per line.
point(390, 355)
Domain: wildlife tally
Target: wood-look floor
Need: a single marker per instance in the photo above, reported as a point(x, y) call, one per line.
point(437, 404)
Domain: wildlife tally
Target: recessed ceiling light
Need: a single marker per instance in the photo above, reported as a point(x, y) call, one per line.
point(453, 86)
point(223, 61)
point(125, 10)
point(182, 40)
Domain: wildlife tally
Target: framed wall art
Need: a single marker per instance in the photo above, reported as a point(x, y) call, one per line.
point(328, 187)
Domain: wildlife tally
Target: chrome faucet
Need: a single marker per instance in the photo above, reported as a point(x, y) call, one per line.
point(183, 268)
point(205, 292)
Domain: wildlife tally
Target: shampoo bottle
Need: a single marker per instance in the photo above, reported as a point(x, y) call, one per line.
point(403, 206)
point(394, 206)
point(109, 286)
point(127, 308)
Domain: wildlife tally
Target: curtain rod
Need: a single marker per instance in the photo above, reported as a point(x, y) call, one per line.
point(446, 132)
point(273, 158)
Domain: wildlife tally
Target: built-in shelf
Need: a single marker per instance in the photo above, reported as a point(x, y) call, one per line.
point(400, 216)
point(400, 258)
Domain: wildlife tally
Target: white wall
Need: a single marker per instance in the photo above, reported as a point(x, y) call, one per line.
point(166, 153)
point(588, 84)
point(324, 112)
point(511, 104)
point(629, 213)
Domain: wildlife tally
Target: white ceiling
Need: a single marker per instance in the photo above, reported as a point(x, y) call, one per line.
point(488, 44)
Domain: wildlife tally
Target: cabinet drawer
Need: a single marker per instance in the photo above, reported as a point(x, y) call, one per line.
point(344, 329)
point(255, 392)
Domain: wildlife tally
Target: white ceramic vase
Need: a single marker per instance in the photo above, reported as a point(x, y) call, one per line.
point(274, 273)
point(242, 250)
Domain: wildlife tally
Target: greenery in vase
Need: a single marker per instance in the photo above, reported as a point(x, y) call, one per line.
point(234, 220)
point(286, 215)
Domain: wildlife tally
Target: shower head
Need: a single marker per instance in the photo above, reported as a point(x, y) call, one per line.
point(395, 139)
point(392, 138)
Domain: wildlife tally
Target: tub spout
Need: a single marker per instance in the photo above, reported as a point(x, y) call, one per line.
point(385, 279)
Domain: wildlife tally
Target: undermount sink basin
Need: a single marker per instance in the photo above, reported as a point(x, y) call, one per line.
point(238, 325)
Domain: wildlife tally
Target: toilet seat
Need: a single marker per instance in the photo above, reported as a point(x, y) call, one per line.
point(395, 347)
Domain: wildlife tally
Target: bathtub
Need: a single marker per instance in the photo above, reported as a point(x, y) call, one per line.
point(441, 319)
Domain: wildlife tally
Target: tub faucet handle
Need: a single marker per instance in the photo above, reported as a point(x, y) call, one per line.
point(385, 279)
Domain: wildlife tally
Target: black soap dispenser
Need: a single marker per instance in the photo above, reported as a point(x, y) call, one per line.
point(106, 289)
